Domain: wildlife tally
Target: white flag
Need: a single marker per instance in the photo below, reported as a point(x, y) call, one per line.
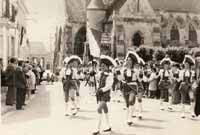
point(93, 44)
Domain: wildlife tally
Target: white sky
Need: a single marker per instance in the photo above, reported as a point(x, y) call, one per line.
point(44, 16)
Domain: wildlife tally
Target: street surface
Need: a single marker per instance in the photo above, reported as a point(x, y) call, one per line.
point(45, 115)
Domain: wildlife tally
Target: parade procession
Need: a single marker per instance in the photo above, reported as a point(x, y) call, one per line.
point(100, 67)
point(109, 78)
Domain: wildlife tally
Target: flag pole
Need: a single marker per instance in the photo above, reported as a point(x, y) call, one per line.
point(114, 47)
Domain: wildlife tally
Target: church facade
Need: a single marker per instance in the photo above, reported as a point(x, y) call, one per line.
point(150, 23)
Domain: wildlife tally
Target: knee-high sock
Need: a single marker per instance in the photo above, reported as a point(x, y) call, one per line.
point(161, 102)
point(67, 106)
point(192, 107)
point(74, 104)
point(77, 101)
point(183, 109)
point(99, 122)
point(140, 107)
point(127, 114)
point(130, 113)
point(107, 120)
point(170, 100)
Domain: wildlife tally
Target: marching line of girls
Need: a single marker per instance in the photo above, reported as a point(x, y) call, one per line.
point(134, 81)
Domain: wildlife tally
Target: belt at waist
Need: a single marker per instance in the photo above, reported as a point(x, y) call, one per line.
point(133, 82)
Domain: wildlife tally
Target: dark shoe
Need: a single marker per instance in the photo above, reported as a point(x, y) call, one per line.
point(67, 115)
point(107, 130)
point(74, 114)
point(129, 123)
point(96, 133)
point(9, 104)
point(134, 116)
point(19, 108)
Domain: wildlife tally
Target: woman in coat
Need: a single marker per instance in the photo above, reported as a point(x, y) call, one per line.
point(10, 82)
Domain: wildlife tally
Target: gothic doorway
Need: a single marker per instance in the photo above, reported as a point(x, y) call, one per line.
point(137, 39)
point(80, 39)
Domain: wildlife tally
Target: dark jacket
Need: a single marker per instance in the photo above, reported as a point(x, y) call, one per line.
point(10, 75)
point(20, 80)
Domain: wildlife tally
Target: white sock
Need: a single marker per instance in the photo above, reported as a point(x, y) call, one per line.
point(130, 113)
point(99, 122)
point(140, 108)
point(127, 114)
point(192, 107)
point(183, 109)
point(170, 101)
point(67, 107)
point(107, 120)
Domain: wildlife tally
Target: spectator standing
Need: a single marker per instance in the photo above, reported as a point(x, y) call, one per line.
point(36, 76)
point(32, 79)
point(20, 82)
point(153, 83)
point(10, 82)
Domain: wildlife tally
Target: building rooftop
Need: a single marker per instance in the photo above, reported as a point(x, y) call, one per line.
point(192, 6)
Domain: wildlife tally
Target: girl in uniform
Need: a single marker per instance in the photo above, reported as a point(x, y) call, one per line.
point(103, 92)
point(130, 84)
point(165, 83)
point(70, 86)
point(66, 75)
point(186, 78)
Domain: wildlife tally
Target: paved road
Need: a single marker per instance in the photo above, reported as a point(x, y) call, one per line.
point(45, 115)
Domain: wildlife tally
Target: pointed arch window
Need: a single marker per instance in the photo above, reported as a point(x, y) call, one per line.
point(192, 33)
point(174, 33)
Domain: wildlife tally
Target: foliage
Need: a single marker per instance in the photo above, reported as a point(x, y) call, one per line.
point(159, 54)
point(145, 53)
point(175, 53)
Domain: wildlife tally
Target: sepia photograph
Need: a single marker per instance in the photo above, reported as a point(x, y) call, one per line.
point(100, 67)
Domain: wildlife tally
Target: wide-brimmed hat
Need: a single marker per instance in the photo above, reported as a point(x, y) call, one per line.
point(189, 59)
point(141, 61)
point(107, 60)
point(73, 58)
point(166, 61)
point(134, 57)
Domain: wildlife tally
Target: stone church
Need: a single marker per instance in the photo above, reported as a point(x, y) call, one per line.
point(151, 23)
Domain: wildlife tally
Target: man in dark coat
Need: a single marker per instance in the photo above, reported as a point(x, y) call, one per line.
point(10, 82)
point(20, 83)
